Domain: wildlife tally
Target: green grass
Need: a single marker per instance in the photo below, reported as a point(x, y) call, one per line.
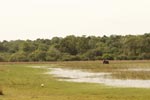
point(19, 82)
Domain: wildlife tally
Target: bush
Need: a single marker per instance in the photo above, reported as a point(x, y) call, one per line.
point(1, 59)
point(20, 56)
point(132, 58)
point(75, 58)
point(121, 57)
point(108, 57)
point(93, 54)
point(68, 57)
point(4, 57)
point(84, 57)
point(98, 58)
point(50, 58)
point(38, 56)
point(145, 56)
point(33, 57)
point(53, 54)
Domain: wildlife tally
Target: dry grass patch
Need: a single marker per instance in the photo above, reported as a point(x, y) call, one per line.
point(144, 75)
point(2, 69)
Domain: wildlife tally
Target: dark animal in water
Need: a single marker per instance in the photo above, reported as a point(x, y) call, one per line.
point(105, 62)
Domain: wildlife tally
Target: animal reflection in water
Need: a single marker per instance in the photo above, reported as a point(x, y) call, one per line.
point(105, 62)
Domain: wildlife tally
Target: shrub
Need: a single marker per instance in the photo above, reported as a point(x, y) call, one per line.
point(68, 57)
point(132, 58)
point(145, 56)
point(93, 54)
point(1, 59)
point(37, 56)
point(121, 57)
point(84, 57)
point(20, 56)
point(75, 58)
point(108, 57)
point(53, 54)
point(98, 58)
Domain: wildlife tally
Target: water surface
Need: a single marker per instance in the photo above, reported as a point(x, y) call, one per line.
point(101, 77)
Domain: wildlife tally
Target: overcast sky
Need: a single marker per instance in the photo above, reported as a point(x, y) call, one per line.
point(31, 19)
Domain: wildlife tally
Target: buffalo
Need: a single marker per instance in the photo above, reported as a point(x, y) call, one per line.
point(105, 62)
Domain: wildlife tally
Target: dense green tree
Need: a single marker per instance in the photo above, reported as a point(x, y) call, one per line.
point(82, 44)
point(70, 48)
point(53, 54)
point(68, 45)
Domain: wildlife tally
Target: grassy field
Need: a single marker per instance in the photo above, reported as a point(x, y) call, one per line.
point(19, 81)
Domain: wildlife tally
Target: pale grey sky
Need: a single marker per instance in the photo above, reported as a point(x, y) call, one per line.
point(31, 19)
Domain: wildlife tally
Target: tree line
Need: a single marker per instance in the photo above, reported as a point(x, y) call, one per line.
point(75, 48)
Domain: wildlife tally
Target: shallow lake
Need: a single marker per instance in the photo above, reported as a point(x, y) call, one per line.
point(89, 77)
